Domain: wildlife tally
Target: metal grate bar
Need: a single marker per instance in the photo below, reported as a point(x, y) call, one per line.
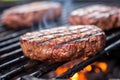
point(5, 33)
point(11, 55)
point(112, 38)
point(12, 62)
point(8, 42)
point(18, 70)
point(45, 69)
point(9, 48)
point(13, 35)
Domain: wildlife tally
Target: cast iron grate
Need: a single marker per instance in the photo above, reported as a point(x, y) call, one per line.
point(13, 65)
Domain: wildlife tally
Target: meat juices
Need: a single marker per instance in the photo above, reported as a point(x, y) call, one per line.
point(106, 17)
point(25, 15)
point(63, 43)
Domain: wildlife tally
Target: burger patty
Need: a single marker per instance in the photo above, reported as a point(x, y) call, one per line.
point(105, 17)
point(63, 43)
point(27, 14)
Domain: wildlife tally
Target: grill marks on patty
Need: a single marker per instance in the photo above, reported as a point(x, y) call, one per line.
point(86, 37)
point(60, 35)
point(63, 43)
point(47, 32)
point(105, 17)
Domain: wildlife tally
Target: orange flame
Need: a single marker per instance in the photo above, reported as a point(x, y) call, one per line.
point(103, 66)
point(81, 75)
point(61, 70)
point(88, 68)
point(78, 76)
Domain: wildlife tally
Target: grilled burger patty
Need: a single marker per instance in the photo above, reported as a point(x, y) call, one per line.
point(63, 43)
point(25, 15)
point(106, 17)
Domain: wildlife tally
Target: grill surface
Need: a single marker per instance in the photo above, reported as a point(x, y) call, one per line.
point(13, 65)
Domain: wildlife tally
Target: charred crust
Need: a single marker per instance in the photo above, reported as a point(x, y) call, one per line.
point(64, 48)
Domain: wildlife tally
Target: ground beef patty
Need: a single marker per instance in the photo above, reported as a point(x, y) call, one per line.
point(106, 17)
point(25, 15)
point(63, 43)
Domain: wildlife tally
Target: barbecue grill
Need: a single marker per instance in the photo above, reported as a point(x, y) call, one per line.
point(13, 65)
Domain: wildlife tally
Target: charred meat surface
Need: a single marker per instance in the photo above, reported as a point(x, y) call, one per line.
point(25, 15)
point(106, 17)
point(63, 43)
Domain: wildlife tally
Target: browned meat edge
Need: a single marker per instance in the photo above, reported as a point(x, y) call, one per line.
point(64, 43)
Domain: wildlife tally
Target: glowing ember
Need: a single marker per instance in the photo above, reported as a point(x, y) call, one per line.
point(102, 65)
point(97, 70)
point(61, 70)
point(88, 68)
point(94, 68)
point(78, 76)
point(65, 67)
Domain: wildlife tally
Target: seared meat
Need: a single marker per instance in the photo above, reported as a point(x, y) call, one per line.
point(25, 15)
point(105, 17)
point(63, 43)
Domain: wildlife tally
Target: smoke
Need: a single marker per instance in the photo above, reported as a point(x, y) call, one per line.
point(45, 23)
point(66, 10)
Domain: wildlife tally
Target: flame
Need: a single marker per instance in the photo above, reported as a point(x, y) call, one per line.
point(88, 68)
point(75, 77)
point(103, 66)
point(78, 76)
point(61, 70)
point(82, 74)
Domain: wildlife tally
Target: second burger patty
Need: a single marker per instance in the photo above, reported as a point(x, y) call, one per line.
point(106, 17)
point(63, 43)
point(27, 14)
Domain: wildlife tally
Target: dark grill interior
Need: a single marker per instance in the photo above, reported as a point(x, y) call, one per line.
point(13, 65)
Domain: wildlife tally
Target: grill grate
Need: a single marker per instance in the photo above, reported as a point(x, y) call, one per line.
point(13, 65)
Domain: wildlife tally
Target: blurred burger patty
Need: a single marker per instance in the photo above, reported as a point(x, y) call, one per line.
point(105, 17)
point(25, 15)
